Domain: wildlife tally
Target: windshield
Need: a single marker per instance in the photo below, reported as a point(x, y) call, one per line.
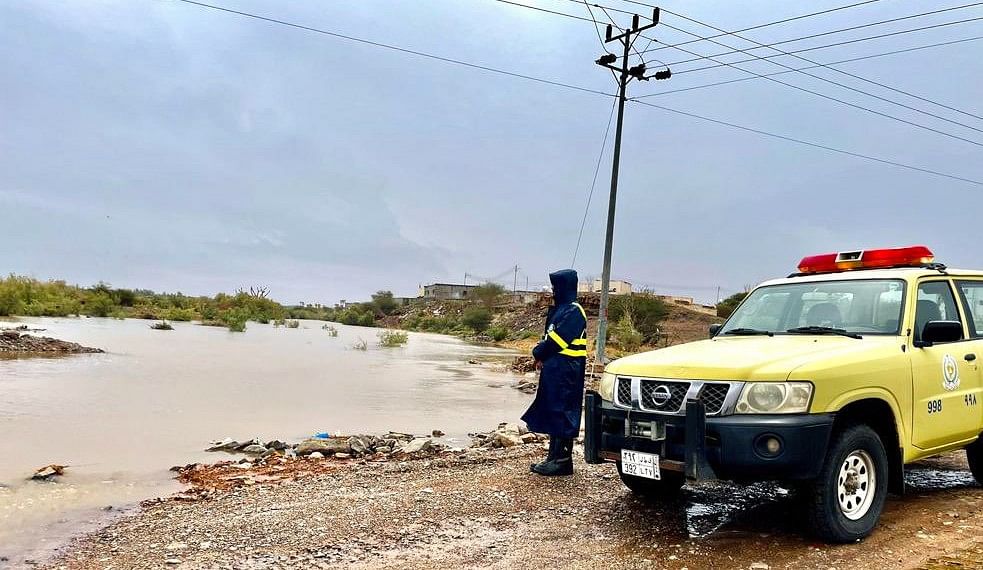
point(868, 306)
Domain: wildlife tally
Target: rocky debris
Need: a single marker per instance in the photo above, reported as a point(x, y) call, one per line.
point(528, 384)
point(13, 341)
point(437, 433)
point(328, 446)
point(21, 328)
point(506, 435)
point(523, 364)
point(48, 471)
point(417, 445)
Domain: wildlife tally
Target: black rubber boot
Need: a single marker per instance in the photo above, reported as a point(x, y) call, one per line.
point(561, 464)
point(550, 456)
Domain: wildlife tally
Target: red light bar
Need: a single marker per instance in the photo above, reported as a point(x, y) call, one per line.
point(913, 256)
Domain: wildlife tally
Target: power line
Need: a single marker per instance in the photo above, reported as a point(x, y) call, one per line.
point(836, 44)
point(590, 195)
point(842, 61)
point(768, 76)
point(396, 48)
point(809, 143)
point(583, 89)
point(765, 25)
point(853, 28)
point(838, 84)
point(840, 71)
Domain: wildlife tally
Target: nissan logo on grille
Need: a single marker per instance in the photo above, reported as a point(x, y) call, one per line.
point(661, 395)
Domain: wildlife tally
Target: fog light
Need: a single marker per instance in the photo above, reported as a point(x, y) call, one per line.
point(773, 446)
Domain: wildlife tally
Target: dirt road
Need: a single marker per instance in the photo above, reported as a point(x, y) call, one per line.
point(484, 509)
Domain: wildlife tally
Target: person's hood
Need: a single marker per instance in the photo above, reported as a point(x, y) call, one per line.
point(564, 284)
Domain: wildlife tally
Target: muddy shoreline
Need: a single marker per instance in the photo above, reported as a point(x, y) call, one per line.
point(18, 341)
point(481, 507)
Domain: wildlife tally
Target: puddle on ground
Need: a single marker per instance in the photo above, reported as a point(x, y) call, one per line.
point(919, 479)
point(710, 506)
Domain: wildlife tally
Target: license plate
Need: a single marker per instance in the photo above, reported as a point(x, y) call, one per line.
point(640, 464)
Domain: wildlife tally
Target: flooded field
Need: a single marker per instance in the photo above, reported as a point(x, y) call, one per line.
point(156, 398)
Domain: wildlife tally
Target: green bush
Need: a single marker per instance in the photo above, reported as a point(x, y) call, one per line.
point(383, 302)
point(646, 313)
point(625, 334)
point(162, 326)
point(176, 314)
point(477, 319)
point(727, 306)
point(497, 334)
point(293, 324)
point(391, 338)
point(333, 332)
point(489, 294)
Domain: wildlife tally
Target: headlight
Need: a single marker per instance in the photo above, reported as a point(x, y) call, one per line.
point(606, 386)
point(775, 398)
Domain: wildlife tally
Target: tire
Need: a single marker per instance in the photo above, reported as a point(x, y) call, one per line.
point(667, 487)
point(845, 501)
point(974, 456)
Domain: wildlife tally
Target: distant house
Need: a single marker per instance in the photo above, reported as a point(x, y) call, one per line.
point(447, 291)
point(615, 287)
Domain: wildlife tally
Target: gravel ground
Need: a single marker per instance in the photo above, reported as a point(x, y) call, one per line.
point(484, 509)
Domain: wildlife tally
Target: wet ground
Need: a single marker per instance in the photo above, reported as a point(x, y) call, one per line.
point(484, 509)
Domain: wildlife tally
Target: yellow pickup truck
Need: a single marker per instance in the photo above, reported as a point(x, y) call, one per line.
point(830, 380)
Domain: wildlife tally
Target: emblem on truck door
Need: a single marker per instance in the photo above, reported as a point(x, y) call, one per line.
point(950, 373)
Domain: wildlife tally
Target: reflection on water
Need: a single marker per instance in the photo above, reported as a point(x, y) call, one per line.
point(121, 419)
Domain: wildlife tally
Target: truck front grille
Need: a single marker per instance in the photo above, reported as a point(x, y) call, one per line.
point(624, 391)
point(713, 396)
point(662, 396)
point(667, 396)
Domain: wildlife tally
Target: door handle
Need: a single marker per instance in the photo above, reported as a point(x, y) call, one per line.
point(970, 357)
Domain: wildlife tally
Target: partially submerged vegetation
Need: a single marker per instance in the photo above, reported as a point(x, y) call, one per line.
point(162, 326)
point(391, 338)
point(26, 296)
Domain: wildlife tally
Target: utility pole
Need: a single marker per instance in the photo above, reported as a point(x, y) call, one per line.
point(515, 278)
point(624, 74)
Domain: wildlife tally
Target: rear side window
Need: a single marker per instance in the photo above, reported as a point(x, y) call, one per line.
point(972, 294)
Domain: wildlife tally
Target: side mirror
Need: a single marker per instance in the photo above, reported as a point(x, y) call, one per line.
point(714, 329)
point(940, 331)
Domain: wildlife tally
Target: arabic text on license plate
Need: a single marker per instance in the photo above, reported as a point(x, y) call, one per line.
point(640, 464)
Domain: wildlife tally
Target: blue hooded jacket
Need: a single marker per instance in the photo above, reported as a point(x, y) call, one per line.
point(563, 352)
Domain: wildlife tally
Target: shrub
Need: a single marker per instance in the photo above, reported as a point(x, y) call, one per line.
point(162, 326)
point(497, 334)
point(360, 344)
point(626, 335)
point(727, 306)
point(333, 332)
point(236, 319)
point(179, 314)
point(489, 294)
point(477, 319)
point(293, 324)
point(646, 313)
point(383, 302)
point(391, 338)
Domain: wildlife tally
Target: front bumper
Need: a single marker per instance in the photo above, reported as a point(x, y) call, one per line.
point(725, 447)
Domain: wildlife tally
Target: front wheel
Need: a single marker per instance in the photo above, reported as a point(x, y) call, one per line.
point(974, 456)
point(846, 500)
point(666, 487)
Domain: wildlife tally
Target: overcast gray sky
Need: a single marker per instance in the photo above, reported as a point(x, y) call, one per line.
point(157, 144)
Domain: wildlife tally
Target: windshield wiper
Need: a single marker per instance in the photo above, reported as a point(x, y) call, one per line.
point(823, 330)
point(748, 332)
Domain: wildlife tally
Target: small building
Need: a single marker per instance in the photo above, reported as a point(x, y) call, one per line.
point(615, 287)
point(447, 291)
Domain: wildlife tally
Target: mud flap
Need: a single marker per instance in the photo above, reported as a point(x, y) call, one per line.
point(592, 427)
point(697, 467)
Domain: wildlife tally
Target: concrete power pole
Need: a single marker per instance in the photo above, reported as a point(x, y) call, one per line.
point(625, 74)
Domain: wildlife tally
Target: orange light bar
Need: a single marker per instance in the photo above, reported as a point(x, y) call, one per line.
point(913, 256)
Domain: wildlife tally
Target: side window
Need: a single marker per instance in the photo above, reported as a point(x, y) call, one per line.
point(972, 293)
point(935, 303)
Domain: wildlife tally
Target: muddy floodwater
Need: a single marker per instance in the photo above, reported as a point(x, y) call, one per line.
point(155, 399)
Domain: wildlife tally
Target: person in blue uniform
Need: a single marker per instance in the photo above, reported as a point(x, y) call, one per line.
point(561, 358)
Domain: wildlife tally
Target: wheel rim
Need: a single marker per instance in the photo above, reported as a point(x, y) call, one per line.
point(856, 484)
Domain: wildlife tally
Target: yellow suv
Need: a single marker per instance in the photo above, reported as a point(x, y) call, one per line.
point(830, 380)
